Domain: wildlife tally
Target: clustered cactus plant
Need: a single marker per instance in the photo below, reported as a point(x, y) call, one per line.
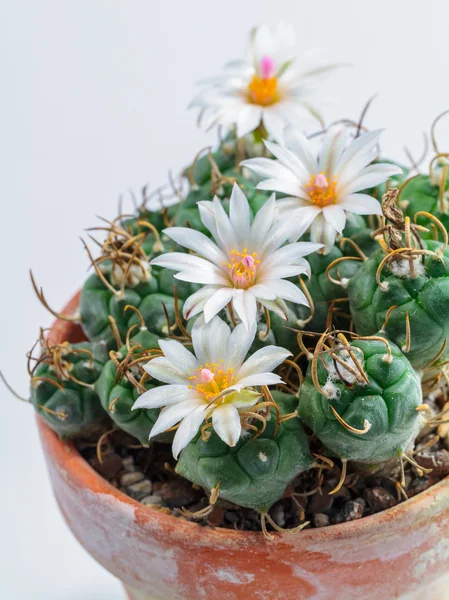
point(208, 329)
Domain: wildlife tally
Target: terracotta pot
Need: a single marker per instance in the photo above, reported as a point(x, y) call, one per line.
point(400, 553)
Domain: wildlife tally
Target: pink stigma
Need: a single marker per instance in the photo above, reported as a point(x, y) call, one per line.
point(206, 376)
point(267, 67)
point(248, 262)
point(321, 181)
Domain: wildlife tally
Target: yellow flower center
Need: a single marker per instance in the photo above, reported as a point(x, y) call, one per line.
point(263, 91)
point(211, 379)
point(321, 192)
point(243, 268)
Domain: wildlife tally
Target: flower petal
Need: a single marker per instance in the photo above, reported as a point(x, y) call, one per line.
point(239, 215)
point(163, 395)
point(362, 204)
point(169, 416)
point(239, 343)
point(210, 340)
point(244, 304)
point(179, 356)
point(161, 369)
point(277, 306)
point(323, 233)
point(263, 221)
point(188, 430)
point(335, 216)
point(264, 360)
point(196, 302)
point(226, 422)
point(180, 261)
point(287, 291)
point(218, 301)
point(259, 379)
point(248, 119)
point(297, 142)
point(196, 241)
point(209, 277)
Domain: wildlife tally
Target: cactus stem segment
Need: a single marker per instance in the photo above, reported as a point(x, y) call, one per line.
point(344, 467)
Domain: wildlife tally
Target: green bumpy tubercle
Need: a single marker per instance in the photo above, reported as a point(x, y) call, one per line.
point(425, 299)
point(255, 472)
point(386, 406)
point(71, 409)
point(118, 395)
point(420, 194)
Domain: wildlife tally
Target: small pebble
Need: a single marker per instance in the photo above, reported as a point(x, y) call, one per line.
point(128, 464)
point(420, 485)
point(140, 489)
point(320, 503)
point(131, 478)
point(215, 518)
point(320, 520)
point(178, 493)
point(278, 514)
point(437, 461)
point(151, 500)
point(351, 511)
point(379, 499)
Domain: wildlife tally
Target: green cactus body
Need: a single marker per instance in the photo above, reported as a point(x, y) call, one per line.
point(75, 410)
point(149, 297)
point(322, 290)
point(425, 299)
point(117, 395)
point(419, 194)
point(388, 402)
point(255, 472)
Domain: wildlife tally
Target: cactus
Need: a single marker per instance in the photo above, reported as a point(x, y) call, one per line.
point(124, 277)
point(121, 383)
point(403, 289)
point(257, 470)
point(361, 398)
point(428, 194)
point(368, 325)
point(62, 387)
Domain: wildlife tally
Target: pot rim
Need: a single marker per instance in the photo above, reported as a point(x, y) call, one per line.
point(69, 461)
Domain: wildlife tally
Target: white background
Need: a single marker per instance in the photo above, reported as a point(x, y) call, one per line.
point(93, 102)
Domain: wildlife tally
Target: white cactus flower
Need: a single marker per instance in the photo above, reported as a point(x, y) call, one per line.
point(328, 186)
point(246, 264)
point(215, 382)
point(267, 88)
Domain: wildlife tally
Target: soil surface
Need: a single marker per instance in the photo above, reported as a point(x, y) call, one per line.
point(148, 475)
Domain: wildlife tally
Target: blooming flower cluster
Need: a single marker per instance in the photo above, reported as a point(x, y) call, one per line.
point(246, 263)
point(267, 88)
point(328, 186)
point(215, 381)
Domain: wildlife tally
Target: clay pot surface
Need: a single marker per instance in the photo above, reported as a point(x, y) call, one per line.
point(402, 552)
